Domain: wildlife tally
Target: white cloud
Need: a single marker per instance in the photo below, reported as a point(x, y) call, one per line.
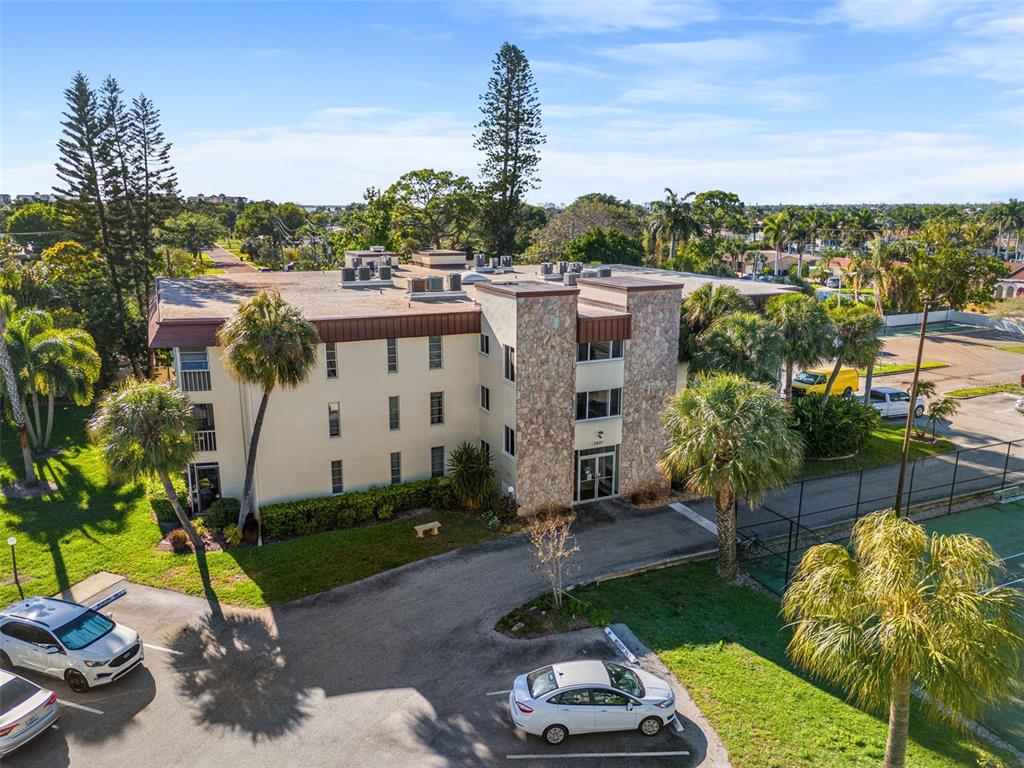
point(604, 16)
point(894, 14)
point(704, 53)
point(779, 94)
point(995, 52)
point(545, 67)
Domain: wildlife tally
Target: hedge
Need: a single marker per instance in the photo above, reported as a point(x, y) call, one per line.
point(222, 513)
point(161, 504)
point(839, 427)
point(327, 513)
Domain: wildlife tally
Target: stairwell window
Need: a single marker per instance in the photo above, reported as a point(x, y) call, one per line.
point(510, 363)
point(435, 352)
point(599, 350)
point(392, 355)
point(332, 360)
point(437, 407)
point(485, 397)
point(337, 479)
point(334, 419)
point(394, 413)
point(510, 441)
point(396, 467)
point(437, 461)
point(599, 404)
point(485, 344)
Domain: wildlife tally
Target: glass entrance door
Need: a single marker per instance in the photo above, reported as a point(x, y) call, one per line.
point(596, 474)
point(204, 485)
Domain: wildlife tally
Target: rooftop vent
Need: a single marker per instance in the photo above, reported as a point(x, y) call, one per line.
point(348, 275)
point(545, 267)
point(377, 248)
point(569, 278)
point(435, 284)
point(589, 273)
point(604, 272)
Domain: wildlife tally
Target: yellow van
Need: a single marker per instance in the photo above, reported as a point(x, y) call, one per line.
point(814, 380)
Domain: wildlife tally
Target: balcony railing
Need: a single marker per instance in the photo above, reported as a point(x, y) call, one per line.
point(206, 440)
point(195, 381)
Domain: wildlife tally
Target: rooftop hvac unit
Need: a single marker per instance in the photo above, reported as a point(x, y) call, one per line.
point(576, 266)
point(435, 284)
point(563, 267)
point(589, 273)
point(363, 273)
point(454, 282)
point(417, 284)
point(481, 259)
point(385, 272)
point(348, 275)
point(377, 248)
point(385, 260)
point(604, 272)
point(357, 261)
point(569, 278)
point(545, 267)
point(495, 262)
point(506, 261)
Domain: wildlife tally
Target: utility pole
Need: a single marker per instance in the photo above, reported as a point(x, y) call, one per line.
point(910, 410)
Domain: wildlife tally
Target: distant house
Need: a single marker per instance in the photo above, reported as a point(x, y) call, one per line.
point(35, 197)
point(221, 199)
point(5, 199)
point(1012, 285)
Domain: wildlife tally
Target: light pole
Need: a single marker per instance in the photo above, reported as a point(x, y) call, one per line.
point(11, 541)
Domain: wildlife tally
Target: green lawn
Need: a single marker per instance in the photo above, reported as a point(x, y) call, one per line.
point(727, 646)
point(991, 389)
point(1016, 348)
point(888, 369)
point(885, 446)
point(90, 525)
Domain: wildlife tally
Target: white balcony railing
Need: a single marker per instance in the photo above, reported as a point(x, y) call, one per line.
point(206, 440)
point(195, 381)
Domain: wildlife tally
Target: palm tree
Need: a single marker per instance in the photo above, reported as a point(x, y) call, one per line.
point(776, 234)
point(800, 233)
point(673, 218)
point(472, 474)
point(1009, 219)
point(701, 308)
point(7, 310)
point(901, 609)
point(267, 342)
point(730, 437)
point(941, 410)
point(143, 429)
point(744, 343)
point(856, 341)
point(806, 333)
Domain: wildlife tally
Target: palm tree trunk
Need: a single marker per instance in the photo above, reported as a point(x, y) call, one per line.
point(672, 250)
point(250, 464)
point(49, 418)
point(17, 413)
point(38, 425)
point(172, 497)
point(725, 505)
point(789, 381)
point(899, 722)
point(867, 383)
point(831, 380)
point(30, 428)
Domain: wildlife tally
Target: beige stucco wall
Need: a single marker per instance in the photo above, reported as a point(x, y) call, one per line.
point(498, 321)
point(545, 403)
point(650, 378)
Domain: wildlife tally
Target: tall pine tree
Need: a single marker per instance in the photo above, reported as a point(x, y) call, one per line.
point(510, 138)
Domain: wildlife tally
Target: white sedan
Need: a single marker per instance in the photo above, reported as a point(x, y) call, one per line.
point(589, 696)
point(891, 402)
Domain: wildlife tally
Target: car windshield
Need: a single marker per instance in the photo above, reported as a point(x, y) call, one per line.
point(83, 630)
point(624, 679)
point(14, 693)
point(541, 681)
point(806, 378)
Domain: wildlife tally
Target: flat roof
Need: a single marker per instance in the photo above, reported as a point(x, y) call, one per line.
point(628, 283)
point(439, 252)
point(370, 253)
point(527, 288)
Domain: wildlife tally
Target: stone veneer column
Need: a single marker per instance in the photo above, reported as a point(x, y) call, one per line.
point(545, 400)
point(649, 380)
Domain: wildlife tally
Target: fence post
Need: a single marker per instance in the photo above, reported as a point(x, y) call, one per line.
point(910, 491)
point(789, 552)
point(860, 484)
point(1006, 463)
point(952, 485)
point(800, 506)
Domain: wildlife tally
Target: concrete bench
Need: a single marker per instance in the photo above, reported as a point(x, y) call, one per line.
point(433, 527)
point(1008, 494)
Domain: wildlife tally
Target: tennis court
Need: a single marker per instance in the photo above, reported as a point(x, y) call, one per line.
point(940, 328)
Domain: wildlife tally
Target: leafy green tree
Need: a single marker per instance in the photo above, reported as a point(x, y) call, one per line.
point(510, 137)
point(368, 224)
point(472, 475)
point(701, 308)
point(948, 271)
point(898, 609)
point(37, 225)
point(154, 181)
point(805, 330)
point(266, 343)
point(434, 209)
point(717, 211)
point(605, 246)
point(145, 428)
point(191, 231)
point(744, 343)
point(14, 396)
point(857, 342)
point(730, 437)
point(582, 215)
point(672, 218)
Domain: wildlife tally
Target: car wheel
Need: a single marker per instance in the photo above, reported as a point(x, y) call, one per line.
point(555, 734)
point(5, 661)
point(650, 726)
point(847, 392)
point(919, 411)
point(76, 681)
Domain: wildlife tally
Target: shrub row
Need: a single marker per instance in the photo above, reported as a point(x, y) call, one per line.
point(328, 513)
point(839, 428)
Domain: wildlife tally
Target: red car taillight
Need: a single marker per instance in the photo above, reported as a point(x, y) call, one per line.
point(523, 708)
point(52, 699)
point(7, 729)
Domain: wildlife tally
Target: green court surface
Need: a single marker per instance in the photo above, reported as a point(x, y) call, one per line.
point(940, 328)
point(1002, 525)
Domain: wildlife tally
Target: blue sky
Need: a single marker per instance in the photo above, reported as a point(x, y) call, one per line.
point(845, 101)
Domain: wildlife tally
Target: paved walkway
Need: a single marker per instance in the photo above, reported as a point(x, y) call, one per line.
point(224, 259)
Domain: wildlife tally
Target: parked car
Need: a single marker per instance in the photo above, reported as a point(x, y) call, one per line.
point(814, 380)
point(890, 402)
point(26, 711)
point(1019, 405)
point(588, 696)
point(832, 282)
point(67, 640)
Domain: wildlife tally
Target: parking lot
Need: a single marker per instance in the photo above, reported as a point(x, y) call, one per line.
point(404, 669)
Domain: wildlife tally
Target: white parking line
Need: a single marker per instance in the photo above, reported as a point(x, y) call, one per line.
point(498, 693)
point(700, 520)
point(161, 648)
point(596, 754)
point(79, 706)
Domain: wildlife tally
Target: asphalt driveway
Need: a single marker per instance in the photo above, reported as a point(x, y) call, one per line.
point(403, 669)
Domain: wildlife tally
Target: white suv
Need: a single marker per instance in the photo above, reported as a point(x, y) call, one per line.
point(67, 640)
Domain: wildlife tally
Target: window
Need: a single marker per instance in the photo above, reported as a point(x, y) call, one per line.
point(334, 419)
point(577, 698)
point(337, 479)
point(877, 397)
point(510, 441)
point(485, 344)
point(194, 367)
point(392, 355)
point(899, 397)
point(205, 436)
point(485, 398)
point(84, 630)
point(605, 698)
point(435, 352)
point(624, 679)
point(437, 461)
point(396, 468)
point(599, 350)
point(437, 407)
point(394, 416)
point(332, 360)
point(541, 681)
point(485, 447)
point(599, 404)
point(510, 363)
point(194, 360)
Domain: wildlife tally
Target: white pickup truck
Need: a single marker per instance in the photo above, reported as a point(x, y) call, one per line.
point(892, 403)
